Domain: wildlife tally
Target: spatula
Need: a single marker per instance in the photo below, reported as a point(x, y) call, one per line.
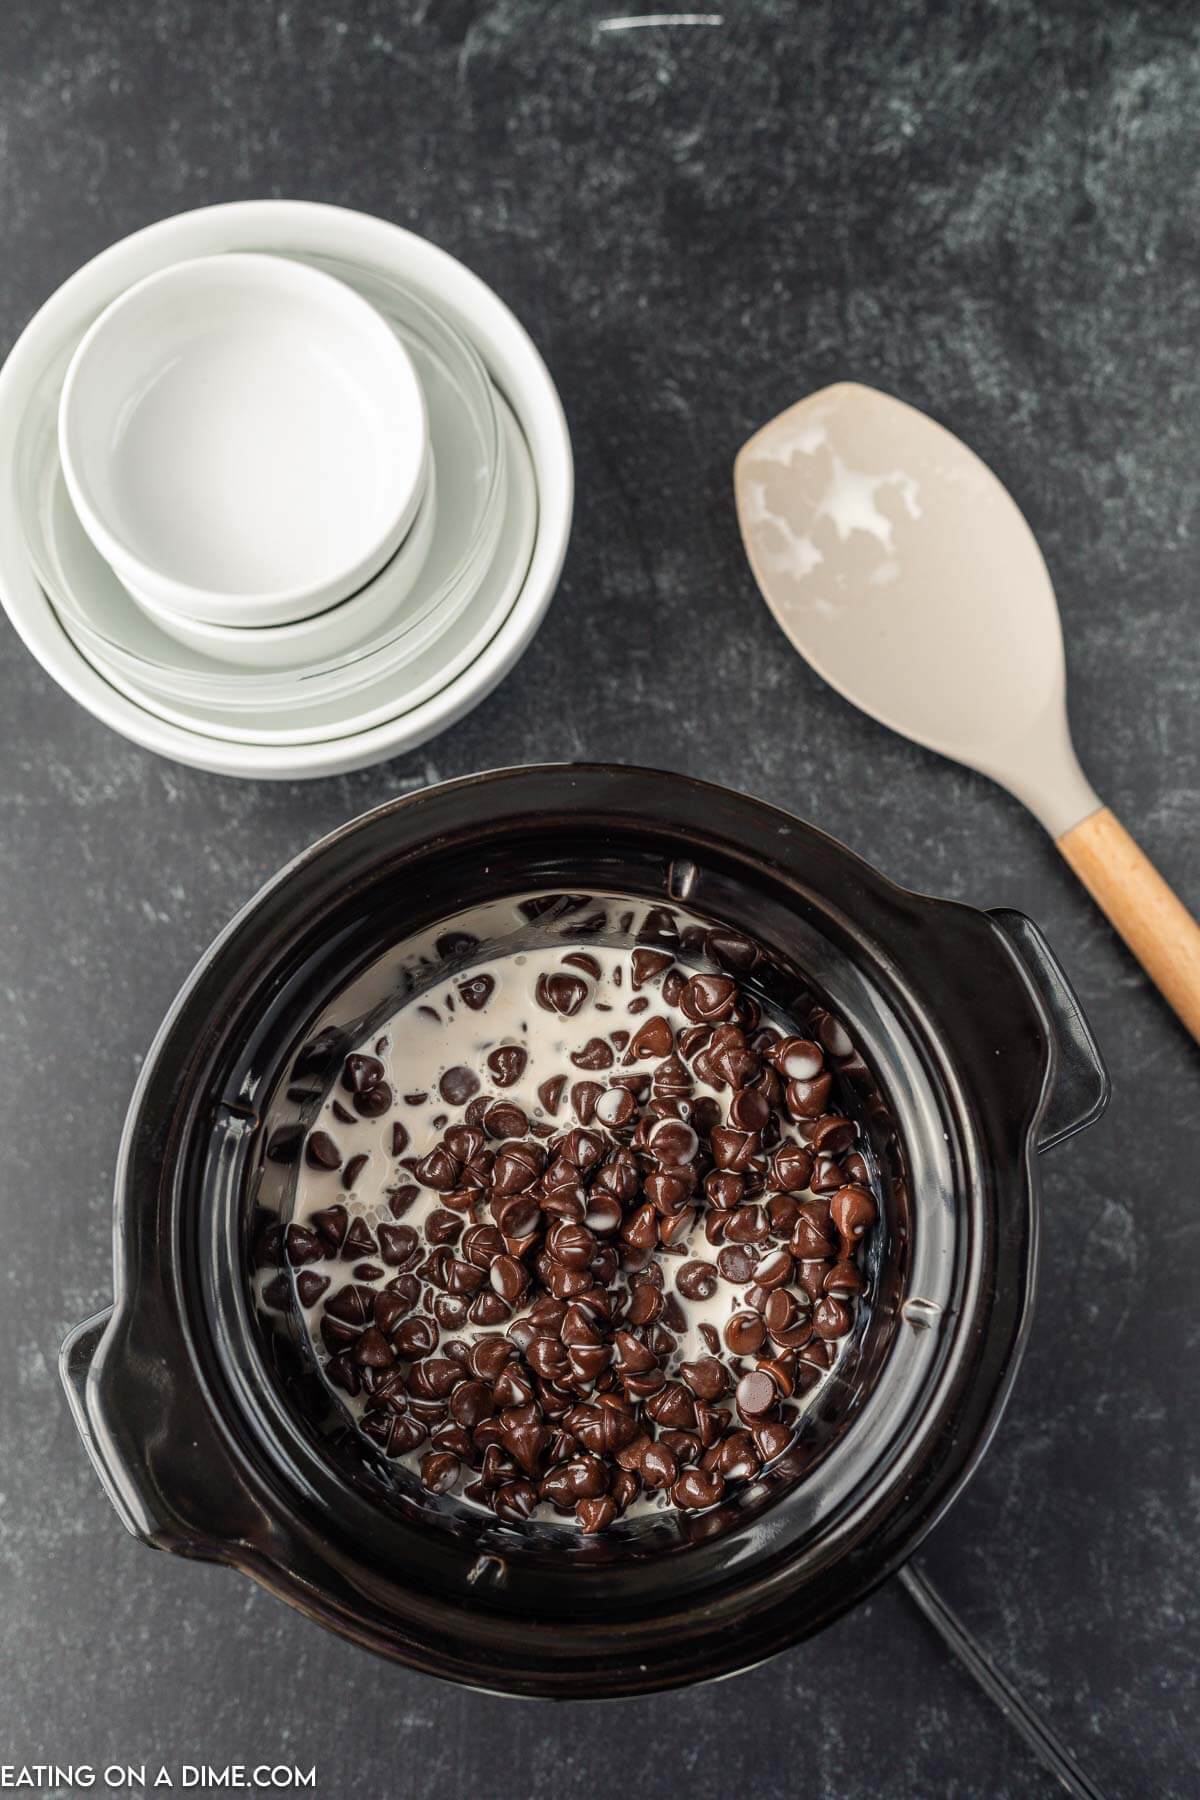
point(904, 572)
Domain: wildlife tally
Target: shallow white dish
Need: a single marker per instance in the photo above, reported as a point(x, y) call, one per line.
point(290, 227)
point(330, 633)
point(243, 438)
point(390, 696)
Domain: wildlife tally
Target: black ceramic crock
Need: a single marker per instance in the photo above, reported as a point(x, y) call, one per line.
point(969, 1056)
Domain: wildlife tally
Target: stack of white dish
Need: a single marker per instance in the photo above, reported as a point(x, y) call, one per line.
point(285, 489)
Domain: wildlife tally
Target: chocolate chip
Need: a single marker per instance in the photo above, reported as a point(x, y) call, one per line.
point(562, 994)
point(320, 1151)
point(450, 1311)
point(771, 1438)
point(658, 1468)
point(737, 1263)
point(518, 1216)
point(458, 1085)
point(844, 1280)
point(813, 1232)
point(374, 1102)
point(780, 1313)
point(331, 1224)
point(811, 1276)
point(641, 1228)
point(831, 1318)
point(358, 1241)
point(310, 1287)
point(509, 1277)
point(798, 1059)
point(706, 1377)
point(517, 1167)
point(673, 1142)
point(697, 1280)
point(283, 1146)
point(595, 1515)
point(476, 991)
point(646, 964)
point(303, 1246)
point(780, 1374)
point(438, 1170)
point(831, 1134)
point(398, 1245)
point(745, 1333)
point(503, 1119)
point(733, 1149)
point(808, 1099)
point(724, 1189)
point(653, 1037)
point(361, 1073)
point(277, 1294)
point(550, 1092)
point(747, 1225)
point(697, 1489)
point(585, 1096)
point(615, 1107)
point(373, 1350)
point(440, 1471)
point(707, 999)
point(853, 1212)
point(774, 1270)
point(783, 1214)
point(755, 1395)
point(506, 1064)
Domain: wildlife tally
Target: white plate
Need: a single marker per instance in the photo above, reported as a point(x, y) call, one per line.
point(291, 226)
point(390, 696)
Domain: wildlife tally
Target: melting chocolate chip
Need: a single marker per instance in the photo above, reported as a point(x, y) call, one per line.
point(562, 994)
point(458, 1085)
point(506, 1064)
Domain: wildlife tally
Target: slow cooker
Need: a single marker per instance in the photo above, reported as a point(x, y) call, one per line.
point(966, 1056)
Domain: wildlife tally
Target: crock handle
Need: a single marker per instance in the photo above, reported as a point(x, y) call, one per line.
point(74, 1363)
point(151, 1446)
point(1081, 1083)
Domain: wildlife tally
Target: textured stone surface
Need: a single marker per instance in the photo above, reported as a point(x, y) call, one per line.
point(988, 208)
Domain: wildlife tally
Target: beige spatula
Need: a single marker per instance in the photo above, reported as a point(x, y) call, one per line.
point(900, 567)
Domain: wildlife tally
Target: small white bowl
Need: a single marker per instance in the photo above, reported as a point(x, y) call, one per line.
point(244, 439)
point(334, 632)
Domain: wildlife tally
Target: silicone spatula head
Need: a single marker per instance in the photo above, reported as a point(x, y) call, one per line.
point(904, 572)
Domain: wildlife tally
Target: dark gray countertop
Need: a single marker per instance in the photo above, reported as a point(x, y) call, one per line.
point(989, 209)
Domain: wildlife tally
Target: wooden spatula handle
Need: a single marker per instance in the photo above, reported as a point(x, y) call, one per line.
point(1151, 918)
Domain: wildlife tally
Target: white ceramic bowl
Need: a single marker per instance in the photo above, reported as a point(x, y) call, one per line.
point(290, 227)
point(244, 439)
point(327, 634)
